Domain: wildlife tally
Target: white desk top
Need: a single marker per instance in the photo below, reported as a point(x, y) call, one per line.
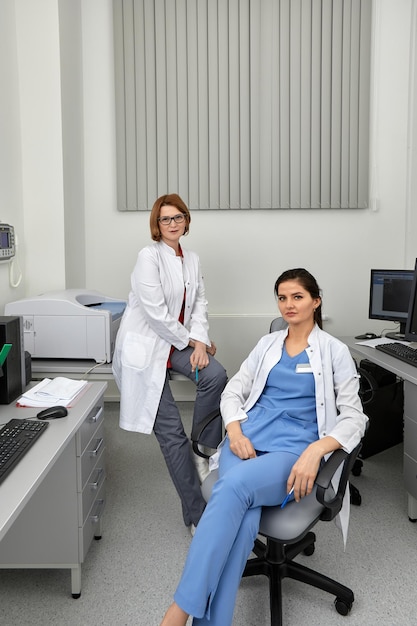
point(390, 363)
point(21, 483)
point(70, 366)
point(84, 368)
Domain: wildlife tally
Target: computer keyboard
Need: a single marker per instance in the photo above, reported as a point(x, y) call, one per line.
point(400, 351)
point(16, 438)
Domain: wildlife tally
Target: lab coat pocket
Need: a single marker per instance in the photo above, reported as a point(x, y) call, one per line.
point(137, 351)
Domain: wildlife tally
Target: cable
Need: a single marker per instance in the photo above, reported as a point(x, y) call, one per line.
point(12, 263)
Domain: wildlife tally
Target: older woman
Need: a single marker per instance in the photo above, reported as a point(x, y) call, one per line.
point(165, 327)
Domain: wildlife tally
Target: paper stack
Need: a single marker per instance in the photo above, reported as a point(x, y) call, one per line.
point(51, 392)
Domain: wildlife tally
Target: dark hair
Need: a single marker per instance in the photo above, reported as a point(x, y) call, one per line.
point(171, 199)
point(308, 282)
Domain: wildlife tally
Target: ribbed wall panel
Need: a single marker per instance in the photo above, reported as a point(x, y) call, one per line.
point(243, 103)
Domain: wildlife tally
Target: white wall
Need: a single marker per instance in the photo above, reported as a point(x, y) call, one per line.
point(242, 251)
point(11, 192)
point(39, 76)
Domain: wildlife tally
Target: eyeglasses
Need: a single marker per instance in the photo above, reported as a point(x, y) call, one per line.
point(166, 221)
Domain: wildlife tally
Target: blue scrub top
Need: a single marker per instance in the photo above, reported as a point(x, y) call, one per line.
point(284, 417)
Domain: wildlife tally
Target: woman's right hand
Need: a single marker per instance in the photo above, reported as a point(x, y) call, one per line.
point(199, 356)
point(239, 444)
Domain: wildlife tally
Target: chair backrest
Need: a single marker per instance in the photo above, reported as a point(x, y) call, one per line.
point(367, 386)
point(277, 324)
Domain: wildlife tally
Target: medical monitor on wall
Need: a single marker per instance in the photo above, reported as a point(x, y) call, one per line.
point(389, 297)
point(411, 326)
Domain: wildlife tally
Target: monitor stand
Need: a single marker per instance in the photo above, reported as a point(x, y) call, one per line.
point(399, 335)
point(395, 336)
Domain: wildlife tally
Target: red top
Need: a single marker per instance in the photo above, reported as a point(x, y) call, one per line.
point(180, 319)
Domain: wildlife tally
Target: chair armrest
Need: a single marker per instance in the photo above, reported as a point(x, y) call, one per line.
point(325, 494)
point(198, 429)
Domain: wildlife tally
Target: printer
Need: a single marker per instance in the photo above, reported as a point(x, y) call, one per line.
point(69, 324)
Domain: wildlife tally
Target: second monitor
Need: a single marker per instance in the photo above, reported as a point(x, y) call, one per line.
point(389, 297)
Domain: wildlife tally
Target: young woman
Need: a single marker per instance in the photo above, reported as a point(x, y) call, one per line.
point(165, 327)
point(294, 400)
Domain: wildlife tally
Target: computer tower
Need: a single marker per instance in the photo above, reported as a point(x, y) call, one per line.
point(12, 381)
point(383, 402)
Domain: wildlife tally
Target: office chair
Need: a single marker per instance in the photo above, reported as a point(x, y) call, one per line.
point(288, 532)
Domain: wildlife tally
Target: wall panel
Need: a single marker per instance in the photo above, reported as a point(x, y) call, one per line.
point(243, 103)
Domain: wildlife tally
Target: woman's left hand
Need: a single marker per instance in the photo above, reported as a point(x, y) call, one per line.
point(212, 349)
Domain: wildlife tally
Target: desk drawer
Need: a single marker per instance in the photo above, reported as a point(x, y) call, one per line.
point(410, 475)
point(93, 419)
point(410, 437)
point(92, 524)
point(92, 487)
point(90, 455)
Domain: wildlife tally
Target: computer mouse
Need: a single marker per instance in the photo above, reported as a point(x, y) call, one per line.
point(52, 413)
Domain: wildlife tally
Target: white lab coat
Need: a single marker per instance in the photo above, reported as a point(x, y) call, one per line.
point(338, 406)
point(150, 327)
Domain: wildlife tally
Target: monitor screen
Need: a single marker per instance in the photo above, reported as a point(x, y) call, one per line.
point(411, 325)
point(389, 297)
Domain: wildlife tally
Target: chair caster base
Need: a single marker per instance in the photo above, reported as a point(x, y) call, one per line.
point(342, 607)
point(355, 496)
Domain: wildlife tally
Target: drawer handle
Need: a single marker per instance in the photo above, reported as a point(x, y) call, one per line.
point(99, 478)
point(98, 512)
point(94, 418)
point(99, 445)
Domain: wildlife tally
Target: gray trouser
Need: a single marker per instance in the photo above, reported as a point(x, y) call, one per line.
point(173, 441)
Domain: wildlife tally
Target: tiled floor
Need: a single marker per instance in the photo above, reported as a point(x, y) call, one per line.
point(130, 575)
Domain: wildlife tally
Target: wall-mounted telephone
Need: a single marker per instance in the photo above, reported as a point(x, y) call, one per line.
point(7, 242)
point(8, 253)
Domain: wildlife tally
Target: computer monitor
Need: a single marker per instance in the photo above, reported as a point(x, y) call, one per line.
point(389, 298)
point(411, 325)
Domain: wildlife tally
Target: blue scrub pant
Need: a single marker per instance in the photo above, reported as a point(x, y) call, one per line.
point(174, 442)
point(226, 533)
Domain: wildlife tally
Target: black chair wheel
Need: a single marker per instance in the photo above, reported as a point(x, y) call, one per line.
point(357, 467)
point(342, 607)
point(309, 550)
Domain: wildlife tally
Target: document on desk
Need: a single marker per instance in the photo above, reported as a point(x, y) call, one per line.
point(51, 392)
point(371, 343)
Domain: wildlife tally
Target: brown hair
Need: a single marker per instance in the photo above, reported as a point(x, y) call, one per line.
point(308, 282)
point(171, 199)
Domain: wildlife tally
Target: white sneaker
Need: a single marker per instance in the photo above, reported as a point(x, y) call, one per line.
point(192, 530)
point(202, 467)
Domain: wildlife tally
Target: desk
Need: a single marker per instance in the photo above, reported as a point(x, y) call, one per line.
point(408, 373)
point(52, 501)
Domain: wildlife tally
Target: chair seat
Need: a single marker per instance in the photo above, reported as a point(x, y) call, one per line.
point(277, 522)
point(282, 523)
point(177, 376)
point(207, 486)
